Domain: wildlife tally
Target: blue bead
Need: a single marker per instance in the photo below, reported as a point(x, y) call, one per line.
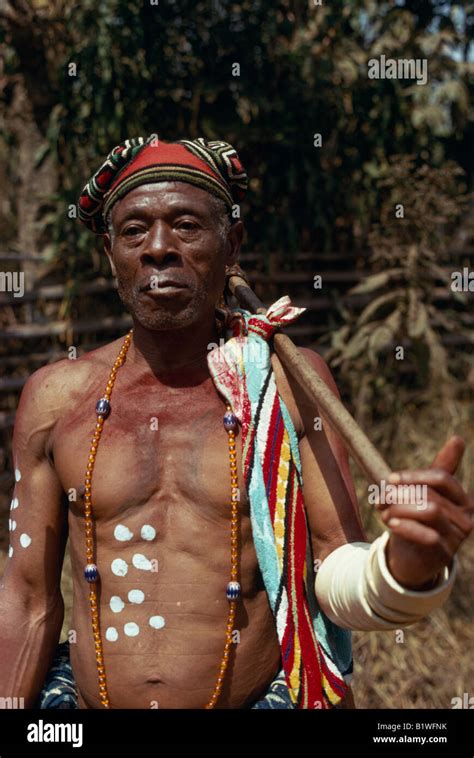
point(233, 591)
point(91, 572)
point(103, 407)
point(230, 422)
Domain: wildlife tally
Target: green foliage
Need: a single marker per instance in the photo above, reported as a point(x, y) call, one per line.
point(411, 257)
point(167, 69)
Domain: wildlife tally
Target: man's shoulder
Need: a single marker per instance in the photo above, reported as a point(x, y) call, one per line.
point(290, 391)
point(50, 388)
point(317, 362)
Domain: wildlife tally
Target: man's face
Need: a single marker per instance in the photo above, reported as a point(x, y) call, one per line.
point(167, 254)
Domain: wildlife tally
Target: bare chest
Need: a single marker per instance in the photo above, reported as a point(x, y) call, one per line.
point(167, 447)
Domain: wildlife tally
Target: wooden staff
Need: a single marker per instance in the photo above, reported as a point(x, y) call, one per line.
point(315, 389)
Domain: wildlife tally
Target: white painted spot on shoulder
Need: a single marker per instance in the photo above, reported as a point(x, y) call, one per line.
point(136, 596)
point(141, 562)
point(111, 634)
point(17, 475)
point(122, 533)
point(10, 551)
point(116, 604)
point(119, 567)
point(25, 540)
point(157, 622)
point(148, 532)
point(14, 504)
point(11, 524)
point(131, 629)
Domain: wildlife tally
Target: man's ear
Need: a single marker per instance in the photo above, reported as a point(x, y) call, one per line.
point(234, 242)
point(108, 252)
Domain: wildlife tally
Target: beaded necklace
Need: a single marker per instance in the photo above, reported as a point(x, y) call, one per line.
point(91, 572)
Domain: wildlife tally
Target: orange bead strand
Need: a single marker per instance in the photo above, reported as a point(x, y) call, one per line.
point(91, 572)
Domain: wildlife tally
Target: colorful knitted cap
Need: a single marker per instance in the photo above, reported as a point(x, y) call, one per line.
point(211, 165)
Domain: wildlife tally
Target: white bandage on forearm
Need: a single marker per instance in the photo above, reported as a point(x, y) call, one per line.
point(356, 590)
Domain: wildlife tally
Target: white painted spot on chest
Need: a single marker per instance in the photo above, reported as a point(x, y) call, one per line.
point(148, 532)
point(157, 622)
point(119, 567)
point(141, 562)
point(25, 540)
point(136, 596)
point(14, 504)
point(10, 551)
point(116, 604)
point(111, 634)
point(11, 524)
point(17, 475)
point(131, 629)
point(122, 533)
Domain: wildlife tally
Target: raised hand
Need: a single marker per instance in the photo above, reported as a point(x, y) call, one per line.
point(424, 538)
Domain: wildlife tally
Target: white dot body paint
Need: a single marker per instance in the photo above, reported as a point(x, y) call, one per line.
point(119, 567)
point(14, 504)
point(136, 596)
point(141, 562)
point(25, 540)
point(122, 533)
point(10, 551)
point(116, 604)
point(157, 622)
point(131, 629)
point(17, 475)
point(148, 532)
point(12, 524)
point(111, 634)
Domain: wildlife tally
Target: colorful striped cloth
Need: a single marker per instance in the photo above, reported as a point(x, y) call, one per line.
point(316, 654)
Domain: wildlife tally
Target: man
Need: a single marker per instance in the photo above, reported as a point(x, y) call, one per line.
point(158, 470)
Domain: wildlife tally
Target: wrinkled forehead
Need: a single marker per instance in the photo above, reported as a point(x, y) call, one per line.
point(162, 197)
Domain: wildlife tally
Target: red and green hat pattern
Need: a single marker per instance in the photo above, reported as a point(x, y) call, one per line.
point(211, 165)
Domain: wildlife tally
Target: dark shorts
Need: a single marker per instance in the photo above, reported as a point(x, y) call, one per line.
point(60, 691)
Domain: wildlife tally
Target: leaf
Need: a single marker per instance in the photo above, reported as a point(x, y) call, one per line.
point(41, 154)
point(417, 320)
point(393, 322)
point(357, 344)
point(338, 339)
point(383, 335)
point(371, 283)
point(50, 253)
point(380, 339)
point(371, 309)
point(438, 356)
point(440, 273)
